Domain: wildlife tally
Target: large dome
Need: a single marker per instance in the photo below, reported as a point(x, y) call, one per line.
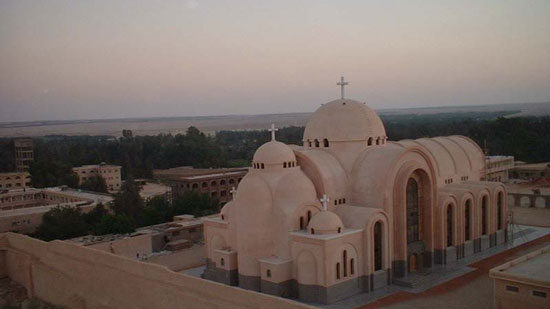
point(344, 120)
point(274, 153)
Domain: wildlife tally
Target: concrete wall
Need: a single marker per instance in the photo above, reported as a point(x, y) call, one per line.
point(128, 247)
point(523, 298)
point(78, 277)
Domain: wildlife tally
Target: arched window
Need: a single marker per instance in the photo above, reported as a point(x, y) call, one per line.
point(499, 211)
point(301, 223)
point(378, 141)
point(263, 166)
point(339, 230)
point(213, 183)
point(222, 262)
point(204, 184)
point(345, 262)
point(335, 202)
point(309, 143)
point(467, 216)
point(449, 225)
point(484, 216)
point(231, 181)
point(284, 164)
point(413, 212)
point(337, 270)
point(308, 216)
point(312, 231)
point(195, 186)
point(369, 143)
point(325, 142)
point(377, 246)
point(352, 267)
point(316, 143)
point(268, 273)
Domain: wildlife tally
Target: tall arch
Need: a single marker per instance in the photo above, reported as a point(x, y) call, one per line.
point(468, 220)
point(378, 246)
point(450, 226)
point(484, 218)
point(306, 275)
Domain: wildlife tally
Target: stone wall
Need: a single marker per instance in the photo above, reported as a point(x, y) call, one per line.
point(77, 277)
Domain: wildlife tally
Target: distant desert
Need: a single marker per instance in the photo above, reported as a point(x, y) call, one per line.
point(211, 124)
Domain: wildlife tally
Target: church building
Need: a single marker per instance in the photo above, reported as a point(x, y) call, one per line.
point(350, 211)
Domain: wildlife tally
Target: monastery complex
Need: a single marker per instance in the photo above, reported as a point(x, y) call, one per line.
point(350, 211)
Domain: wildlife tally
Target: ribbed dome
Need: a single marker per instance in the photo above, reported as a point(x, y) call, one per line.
point(325, 222)
point(274, 152)
point(344, 120)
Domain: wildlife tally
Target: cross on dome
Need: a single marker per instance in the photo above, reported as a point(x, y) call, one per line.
point(324, 200)
point(342, 84)
point(233, 192)
point(273, 130)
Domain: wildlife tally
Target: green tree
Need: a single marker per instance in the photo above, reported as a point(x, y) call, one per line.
point(54, 173)
point(95, 183)
point(157, 210)
point(114, 224)
point(195, 203)
point(62, 223)
point(94, 216)
point(128, 201)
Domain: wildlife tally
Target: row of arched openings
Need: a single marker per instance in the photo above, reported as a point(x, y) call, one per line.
point(213, 183)
point(345, 263)
point(317, 144)
point(468, 217)
point(380, 140)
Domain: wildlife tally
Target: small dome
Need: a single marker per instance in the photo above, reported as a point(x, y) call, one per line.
point(226, 209)
point(274, 153)
point(344, 120)
point(325, 222)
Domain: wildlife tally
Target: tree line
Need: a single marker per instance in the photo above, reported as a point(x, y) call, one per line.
point(526, 138)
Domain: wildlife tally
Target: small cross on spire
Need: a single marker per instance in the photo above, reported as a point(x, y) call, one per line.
point(324, 200)
point(233, 192)
point(342, 84)
point(273, 130)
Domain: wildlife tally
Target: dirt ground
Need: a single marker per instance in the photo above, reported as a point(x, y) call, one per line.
point(472, 290)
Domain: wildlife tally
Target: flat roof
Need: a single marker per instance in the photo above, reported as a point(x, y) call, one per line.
point(533, 166)
point(95, 166)
point(532, 268)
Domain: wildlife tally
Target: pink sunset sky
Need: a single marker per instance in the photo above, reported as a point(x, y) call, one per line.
point(75, 59)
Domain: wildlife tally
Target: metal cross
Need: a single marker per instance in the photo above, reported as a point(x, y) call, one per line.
point(233, 192)
point(273, 130)
point(324, 200)
point(342, 84)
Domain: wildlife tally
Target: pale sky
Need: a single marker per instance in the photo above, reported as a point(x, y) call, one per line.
point(113, 59)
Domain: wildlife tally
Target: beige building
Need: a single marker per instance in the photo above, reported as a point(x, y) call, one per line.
point(9, 181)
point(22, 210)
point(24, 154)
point(498, 168)
point(350, 212)
point(523, 282)
point(111, 174)
point(218, 183)
point(531, 171)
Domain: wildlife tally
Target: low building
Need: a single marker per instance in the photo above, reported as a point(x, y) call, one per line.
point(17, 180)
point(22, 210)
point(498, 167)
point(531, 171)
point(218, 183)
point(111, 174)
point(523, 282)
